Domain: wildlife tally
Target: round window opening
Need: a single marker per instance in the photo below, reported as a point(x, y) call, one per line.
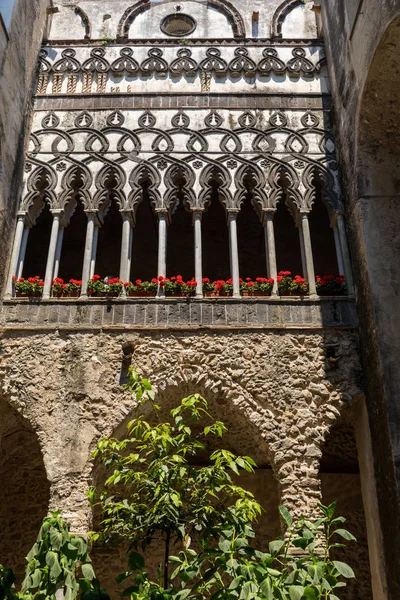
point(178, 25)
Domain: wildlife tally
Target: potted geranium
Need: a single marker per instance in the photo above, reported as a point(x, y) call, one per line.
point(289, 285)
point(176, 286)
point(74, 288)
point(58, 287)
point(32, 286)
point(141, 288)
point(263, 286)
point(224, 288)
point(209, 290)
point(247, 287)
point(329, 285)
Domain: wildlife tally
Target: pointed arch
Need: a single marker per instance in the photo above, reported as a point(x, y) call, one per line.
point(40, 189)
point(186, 175)
point(325, 178)
point(145, 172)
point(256, 184)
point(217, 173)
point(110, 180)
point(76, 180)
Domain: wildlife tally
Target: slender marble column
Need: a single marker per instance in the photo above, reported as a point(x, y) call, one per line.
point(126, 249)
point(302, 252)
point(345, 254)
point(48, 278)
point(58, 252)
point(162, 249)
point(338, 250)
point(232, 217)
point(270, 248)
point(15, 253)
point(88, 253)
point(198, 257)
point(305, 227)
point(22, 252)
point(94, 249)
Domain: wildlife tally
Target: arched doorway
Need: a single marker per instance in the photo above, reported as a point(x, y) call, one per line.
point(25, 489)
point(242, 438)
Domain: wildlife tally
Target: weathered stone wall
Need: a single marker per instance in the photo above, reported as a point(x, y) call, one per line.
point(277, 385)
point(17, 74)
point(362, 42)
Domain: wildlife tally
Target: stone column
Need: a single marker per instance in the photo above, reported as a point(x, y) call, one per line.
point(198, 256)
point(48, 278)
point(234, 252)
point(94, 249)
point(22, 252)
point(126, 248)
point(305, 227)
point(162, 249)
point(88, 253)
point(338, 249)
point(302, 252)
point(345, 254)
point(16, 252)
point(270, 249)
point(58, 252)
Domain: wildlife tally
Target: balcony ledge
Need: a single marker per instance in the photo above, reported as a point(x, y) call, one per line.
point(178, 313)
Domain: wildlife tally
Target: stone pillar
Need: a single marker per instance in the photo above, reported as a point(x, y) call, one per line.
point(16, 252)
point(88, 253)
point(198, 257)
point(22, 252)
point(302, 252)
point(338, 249)
point(58, 252)
point(94, 249)
point(48, 278)
point(162, 249)
point(305, 227)
point(270, 248)
point(234, 252)
point(345, 254)
point(126, 248)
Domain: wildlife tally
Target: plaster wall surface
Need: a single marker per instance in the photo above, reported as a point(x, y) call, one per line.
point(68, 25)
point(18, 59)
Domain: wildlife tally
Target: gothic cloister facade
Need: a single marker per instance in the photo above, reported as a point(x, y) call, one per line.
point(190, 137)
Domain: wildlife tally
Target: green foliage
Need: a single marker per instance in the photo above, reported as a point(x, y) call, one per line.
point(154, 493)
point(54, 562)
point(7, 584)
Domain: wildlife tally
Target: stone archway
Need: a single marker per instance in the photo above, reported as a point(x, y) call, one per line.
point(25, 489)
point(244, 437)
point(376, 247)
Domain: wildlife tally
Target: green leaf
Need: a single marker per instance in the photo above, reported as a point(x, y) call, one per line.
point(311, 593)
point(344, 569)
point(276, 546)
point(285, 515)
point(346, 535)
point(56, 538)
point(296, 592)
point(132, 589)
point(87, 571)
point(54, 565)
point(136, 561)
point(266, 588)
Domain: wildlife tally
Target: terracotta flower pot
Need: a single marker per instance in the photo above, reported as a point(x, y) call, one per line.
point(213, 294)
point(74, 294)
point(225, 294)
point(141, 294)
point(247, 293)
point(261, 293)
point(20, 295)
